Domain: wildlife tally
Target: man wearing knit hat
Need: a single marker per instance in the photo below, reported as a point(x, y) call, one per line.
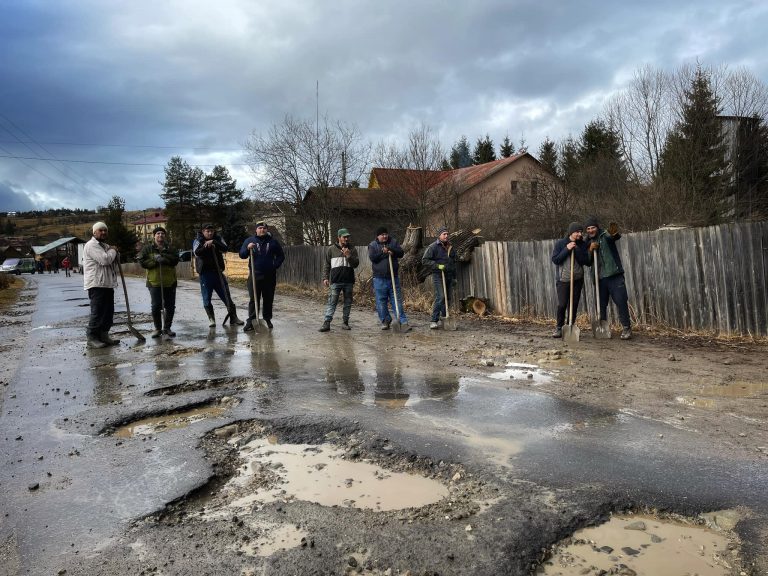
point(441, 258)
point(610, 271)
point(573, 243)
point(100, 280)
point(383, 248)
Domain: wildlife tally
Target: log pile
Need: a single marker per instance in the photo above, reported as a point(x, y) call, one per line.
point(411, 269)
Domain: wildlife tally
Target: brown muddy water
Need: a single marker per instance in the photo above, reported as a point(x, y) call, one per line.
point(644, 546)
point(154, 424)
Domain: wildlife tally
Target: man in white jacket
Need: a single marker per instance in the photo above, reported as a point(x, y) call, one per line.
point(100, 280)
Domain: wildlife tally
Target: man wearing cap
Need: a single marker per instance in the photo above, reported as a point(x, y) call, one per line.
point(209, 248)
point(100, 280)
point(610, 271)
point(266, 256)
point(573, 243)
point(160, 260)
point(441, 259)
point(380, 251)
point(339, 275)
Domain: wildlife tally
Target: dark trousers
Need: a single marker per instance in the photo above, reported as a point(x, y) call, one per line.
point(564, 298)
point(265, 291)
point(102, 310)
point(168, 297)
point(210, 282)
point(616, 288)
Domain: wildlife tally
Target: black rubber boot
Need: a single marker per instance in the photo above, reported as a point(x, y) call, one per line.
point(326, 327)
point(109, 341)
point(233, 319)
point(94, 342)
point(168, 321)
point(157, 318)
point(211, 316)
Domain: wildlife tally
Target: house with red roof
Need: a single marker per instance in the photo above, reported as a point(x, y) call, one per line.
point(148, 221)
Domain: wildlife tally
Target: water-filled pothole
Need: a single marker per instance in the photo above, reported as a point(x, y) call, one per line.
point(236, 383)
point(163, 422)
point(644, 545)
point(529, 372)
point(320, 473)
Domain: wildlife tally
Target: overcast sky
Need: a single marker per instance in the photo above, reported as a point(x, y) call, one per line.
point(122, 86)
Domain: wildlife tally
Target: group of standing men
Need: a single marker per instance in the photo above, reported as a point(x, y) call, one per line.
point(265, 256)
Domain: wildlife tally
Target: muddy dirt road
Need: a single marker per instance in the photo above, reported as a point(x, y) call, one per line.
point(296, 452)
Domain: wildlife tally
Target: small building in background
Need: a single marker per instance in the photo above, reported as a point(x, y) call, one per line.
point(148, 221)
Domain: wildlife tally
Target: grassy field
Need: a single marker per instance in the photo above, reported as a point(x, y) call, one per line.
point(10, 286)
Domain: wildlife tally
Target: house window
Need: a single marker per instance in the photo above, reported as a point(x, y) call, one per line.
point(514, 186)
point(534, 189)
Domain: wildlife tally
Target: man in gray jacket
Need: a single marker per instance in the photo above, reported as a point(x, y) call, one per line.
point(100, 280)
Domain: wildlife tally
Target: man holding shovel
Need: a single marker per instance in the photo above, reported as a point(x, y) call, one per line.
point(160, 261)
point(572, 246)
point(99, 280)
point(266, 256)
point(384, 253)
point(209, 249)
point(441, 259)
point(339, 276)
point(602, 247)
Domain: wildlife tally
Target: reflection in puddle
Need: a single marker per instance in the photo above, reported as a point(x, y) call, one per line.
point(320, 474)
point(696, 402)
point(642, 545)
point(530, 372)
point(155, 424)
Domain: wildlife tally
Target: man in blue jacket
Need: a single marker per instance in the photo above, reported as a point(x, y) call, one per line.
point(610, 271)
point(573, 243)
point(380, 251)
point(209, 249)
point(267, 256)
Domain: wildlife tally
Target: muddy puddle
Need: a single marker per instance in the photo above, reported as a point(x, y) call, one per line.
point(527, 372)
point(319, 473)
point(154, 424)
point(639, 545)
point(711, 394)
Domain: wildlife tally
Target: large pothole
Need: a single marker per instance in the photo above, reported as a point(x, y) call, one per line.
point(175, 419)
point(230, 383)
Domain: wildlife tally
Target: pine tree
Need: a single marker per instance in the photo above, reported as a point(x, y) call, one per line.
point(507, 148)
point(483, 151)
point(181, 195)
point(460, 154)
point(119, 235)
point(694, 159)
point(221, 193)
point(548, 156)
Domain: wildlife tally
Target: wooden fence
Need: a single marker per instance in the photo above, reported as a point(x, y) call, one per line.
point(711, 278)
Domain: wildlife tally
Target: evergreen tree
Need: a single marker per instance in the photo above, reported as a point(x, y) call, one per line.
point(750, 169)
point(119, 235)
point(507, 148)
point(569, 161)
point(221, 194)
point(694, 160)
point(181, 192)
point(548, 156)
point(445, 165)
point(484, 151)
point(460, 154)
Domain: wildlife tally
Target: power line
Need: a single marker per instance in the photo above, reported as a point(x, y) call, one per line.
point(105, 162)
point(149, 146)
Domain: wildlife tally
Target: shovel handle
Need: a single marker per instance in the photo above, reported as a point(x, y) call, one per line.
point(394, 286)
point(570, 305)
point(445, 295)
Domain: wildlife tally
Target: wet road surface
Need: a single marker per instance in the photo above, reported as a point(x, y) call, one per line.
point(69, 486)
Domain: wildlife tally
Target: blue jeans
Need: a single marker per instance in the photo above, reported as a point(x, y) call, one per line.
point(334, 292)
point(382, 287)
point(616, 288)
point(210, 283)
point(439, 306)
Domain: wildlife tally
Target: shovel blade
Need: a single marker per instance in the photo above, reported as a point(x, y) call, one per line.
point(448, 323)
point(395, 326)
point(263, 324)
point(571, 333)
point(138, 335)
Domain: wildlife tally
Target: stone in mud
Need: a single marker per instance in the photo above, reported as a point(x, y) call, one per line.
point(33, 487)
point(352, 561)
point(639, 525)
point(656, 539)
point(606, 549)
point(630, 551)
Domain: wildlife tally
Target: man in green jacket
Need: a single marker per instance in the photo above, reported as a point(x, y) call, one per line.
point(160, 261)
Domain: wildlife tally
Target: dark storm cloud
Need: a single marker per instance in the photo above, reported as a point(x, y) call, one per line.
point(12, 200)
point(201, 78)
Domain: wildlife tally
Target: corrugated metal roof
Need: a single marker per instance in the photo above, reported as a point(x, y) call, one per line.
point(55, 244)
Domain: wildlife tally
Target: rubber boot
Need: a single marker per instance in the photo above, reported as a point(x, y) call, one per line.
point(211, 316)
point(94, 342)
point(233, 319)
point(109, 341)
point(325, 327)
point(157, 318)
point(168, 321)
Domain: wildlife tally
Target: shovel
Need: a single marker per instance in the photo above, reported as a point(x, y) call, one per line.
point(139, 336)
point(162, 299)
point(259, 323)
point(396, 319)
point(571, 332)
point(223, 286)
point(600, 328)
point(448, 322)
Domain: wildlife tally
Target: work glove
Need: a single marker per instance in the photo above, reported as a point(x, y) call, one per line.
point(613, 228)
point(158, 258)
point(594, 246)
point(441, 266)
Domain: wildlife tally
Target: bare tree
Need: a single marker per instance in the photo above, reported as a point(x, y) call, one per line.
point(298, 156)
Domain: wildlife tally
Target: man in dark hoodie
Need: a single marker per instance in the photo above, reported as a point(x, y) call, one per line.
point(267, 256)
point(610, 271)
point(339, 275)
point(380, 251)
point(209, 249)
point(440, 257)
point(573, 243)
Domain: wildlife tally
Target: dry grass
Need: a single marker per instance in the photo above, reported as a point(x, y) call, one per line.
point(10, 286)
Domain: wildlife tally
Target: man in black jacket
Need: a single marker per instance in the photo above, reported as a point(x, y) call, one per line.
point(573, 243)
point(266, 255)
point(339, 275)
point(380, 251)
point(209, 249)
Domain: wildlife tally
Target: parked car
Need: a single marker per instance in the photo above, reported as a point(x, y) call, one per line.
point(18, 265)
point(185, 255)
